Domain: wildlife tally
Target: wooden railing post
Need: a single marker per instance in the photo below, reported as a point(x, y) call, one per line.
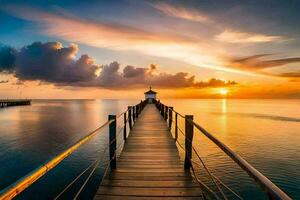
point(189, 133)
point(163, 110)
point(170, 117)
point(176, 126)
point(130, 117)
point(112, 142)
point(125, 128)
point(166, 113)
point(137, 111)
point(133, 113)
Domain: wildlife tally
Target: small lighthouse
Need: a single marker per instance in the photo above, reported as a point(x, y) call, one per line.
point(150, 95)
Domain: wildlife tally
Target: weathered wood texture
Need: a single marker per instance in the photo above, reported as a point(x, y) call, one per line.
point(149, 166)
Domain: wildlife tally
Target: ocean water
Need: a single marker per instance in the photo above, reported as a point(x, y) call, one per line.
point(264, 132)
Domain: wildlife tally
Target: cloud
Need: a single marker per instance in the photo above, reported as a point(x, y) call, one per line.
point(7, 58)
point(52, 63)
point(2, 81)
point(111, 77)
point(189, 48)
point(49, 62)
point(257, 63)
point(94, 33)
point(182, 12)
point(243, 37)
point(115, 36)
point(290, 74)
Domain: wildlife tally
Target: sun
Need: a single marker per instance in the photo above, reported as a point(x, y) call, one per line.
point(223, 91)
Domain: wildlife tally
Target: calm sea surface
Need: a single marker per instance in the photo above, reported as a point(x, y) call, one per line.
point(265, 132)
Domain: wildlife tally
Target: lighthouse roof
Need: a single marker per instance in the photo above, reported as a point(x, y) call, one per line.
point(150, 91)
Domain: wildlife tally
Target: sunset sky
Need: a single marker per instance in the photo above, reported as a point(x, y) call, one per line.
point(117, 49)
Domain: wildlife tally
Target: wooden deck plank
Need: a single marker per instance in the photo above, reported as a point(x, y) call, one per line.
point(118, 197)
point(146, 192)
point(149, 166)
point(149, 184)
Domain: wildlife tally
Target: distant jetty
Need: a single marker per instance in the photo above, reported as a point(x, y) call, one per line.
point(14, 102)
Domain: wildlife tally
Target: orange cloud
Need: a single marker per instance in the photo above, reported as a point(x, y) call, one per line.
point(181, 12)
point(120, 37)
point(244, 37)
point(258, 64)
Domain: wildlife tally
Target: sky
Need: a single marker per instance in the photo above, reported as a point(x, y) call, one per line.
point(117, 49)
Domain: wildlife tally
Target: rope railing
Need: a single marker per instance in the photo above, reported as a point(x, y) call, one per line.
point(130, 115)
point(75, 179)
point(95, 164)
point(272, 190)
point(203, 185)
point(212, 178)
point(205, 167)
point(222, 183)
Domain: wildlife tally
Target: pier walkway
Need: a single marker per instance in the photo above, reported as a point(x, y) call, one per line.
point(149, 166)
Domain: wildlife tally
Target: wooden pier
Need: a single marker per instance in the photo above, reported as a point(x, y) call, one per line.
point(14, 102)
point(149, 166)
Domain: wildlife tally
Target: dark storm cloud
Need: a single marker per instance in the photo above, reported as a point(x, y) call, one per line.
point(52, 63)
point(7, 58)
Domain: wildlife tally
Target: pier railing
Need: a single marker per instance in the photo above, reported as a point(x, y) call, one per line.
point(171, 117)
point(129, 117)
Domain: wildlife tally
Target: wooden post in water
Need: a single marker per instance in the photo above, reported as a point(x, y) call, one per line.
point(130, 117)
point(189, 133)
point(170, 117)
point(176, 126)
point(125, 128)
point(112, 142)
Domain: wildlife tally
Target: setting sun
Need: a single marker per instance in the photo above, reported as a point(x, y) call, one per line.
point(223, 91)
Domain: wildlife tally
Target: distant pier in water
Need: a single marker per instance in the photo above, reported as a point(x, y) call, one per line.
point(14, 102)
